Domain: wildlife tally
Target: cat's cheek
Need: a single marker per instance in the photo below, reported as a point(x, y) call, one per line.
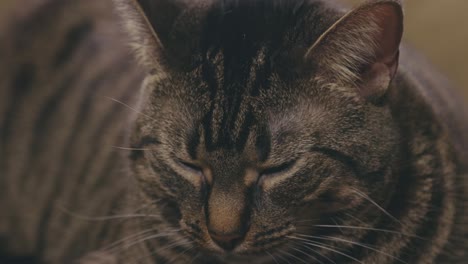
point(335, 199)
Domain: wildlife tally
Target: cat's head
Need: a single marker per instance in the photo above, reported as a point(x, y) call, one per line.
point(264, 118)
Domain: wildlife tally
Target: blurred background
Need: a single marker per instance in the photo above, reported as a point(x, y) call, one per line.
point(439, 30)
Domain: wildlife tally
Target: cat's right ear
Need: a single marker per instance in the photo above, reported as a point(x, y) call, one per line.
point(150, 25)
point(362, 48)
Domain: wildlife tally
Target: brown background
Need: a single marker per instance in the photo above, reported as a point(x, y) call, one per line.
point(439, 29)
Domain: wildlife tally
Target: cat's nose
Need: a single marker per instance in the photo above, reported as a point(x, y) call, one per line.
point(226, 241)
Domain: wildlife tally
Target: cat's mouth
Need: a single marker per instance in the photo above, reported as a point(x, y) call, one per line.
point(242, 255)
point(235, 258)
point(254, 245)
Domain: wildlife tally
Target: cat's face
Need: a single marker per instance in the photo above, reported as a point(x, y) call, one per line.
point(290, 158)
point(251, 154)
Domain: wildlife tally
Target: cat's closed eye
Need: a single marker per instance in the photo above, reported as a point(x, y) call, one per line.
point(190, 167)
point(277, 170)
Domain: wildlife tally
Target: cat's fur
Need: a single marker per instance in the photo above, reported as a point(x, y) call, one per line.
point(267, 132)
point(59, 67)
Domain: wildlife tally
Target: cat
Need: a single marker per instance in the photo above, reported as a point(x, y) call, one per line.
point(265, 132)
point(289, 132)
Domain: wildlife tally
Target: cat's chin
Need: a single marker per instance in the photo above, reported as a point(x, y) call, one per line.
point(232, 257)
point(244, 254)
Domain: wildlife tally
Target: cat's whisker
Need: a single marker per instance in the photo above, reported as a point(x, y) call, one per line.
point(128, 243)
point(355, 218)
point(179, 242)
point(366, 197)
point(336, 223)
point(318, 253)
point(308, 220)
point(280, 253)
point(180, 254)
point(129, 107)
point(306, 254)
point(368, 229)
point(145, 238)
point(323, 246)
point(146, 206)
point(271, 255)
point(127, 238)
point(336, 239)
point(131, 149)
point(293, 256)
point(194, 258)
point(105, 218)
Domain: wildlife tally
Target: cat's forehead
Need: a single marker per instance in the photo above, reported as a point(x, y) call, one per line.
point(234, 37)
point(235, 73)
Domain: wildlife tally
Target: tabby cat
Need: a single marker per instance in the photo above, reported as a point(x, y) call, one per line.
point(265, 131)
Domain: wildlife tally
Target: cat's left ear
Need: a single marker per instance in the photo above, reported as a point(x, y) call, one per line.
point(362, 48)
point(162, 34)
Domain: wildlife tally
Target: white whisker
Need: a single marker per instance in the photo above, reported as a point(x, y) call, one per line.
point(375, 204)
point(318, 253)
point(336, 223)
point(181, 254)
point(129, 107)
point(126, 148)
point(195, 257)
point(369, 229)
point(323, 246)
point(305, 253)
point(281, 257)
point(180, 242)
point(293, 256)
point(329, 238)
point(143, 239)
point(273, 257)
point(127, 238)
point(104, 218)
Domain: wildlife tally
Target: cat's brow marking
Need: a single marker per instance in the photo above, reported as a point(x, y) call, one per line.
point(231, 115)
point(269, 183)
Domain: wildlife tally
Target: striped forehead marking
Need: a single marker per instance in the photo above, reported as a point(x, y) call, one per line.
point(232, 84)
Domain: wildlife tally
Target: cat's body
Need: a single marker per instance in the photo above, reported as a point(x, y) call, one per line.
point(59, 128)
point(228, 96)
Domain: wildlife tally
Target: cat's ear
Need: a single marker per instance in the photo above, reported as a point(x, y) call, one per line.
point(159, 33)
point(362, 48)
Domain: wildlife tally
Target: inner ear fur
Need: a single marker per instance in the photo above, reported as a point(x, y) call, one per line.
point(143, 38)
point(162, 33)
point(362, 48)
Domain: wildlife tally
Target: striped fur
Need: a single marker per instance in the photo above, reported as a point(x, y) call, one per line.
point(59, 66)
point(241, 145)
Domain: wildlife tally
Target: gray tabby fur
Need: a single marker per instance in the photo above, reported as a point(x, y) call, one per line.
point(263, 134)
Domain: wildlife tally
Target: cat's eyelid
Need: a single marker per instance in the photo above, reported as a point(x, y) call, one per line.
point(338, 156)
point(279, 169)
point(190, 166)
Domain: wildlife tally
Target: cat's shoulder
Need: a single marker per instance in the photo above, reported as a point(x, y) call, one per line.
point(445, 99)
